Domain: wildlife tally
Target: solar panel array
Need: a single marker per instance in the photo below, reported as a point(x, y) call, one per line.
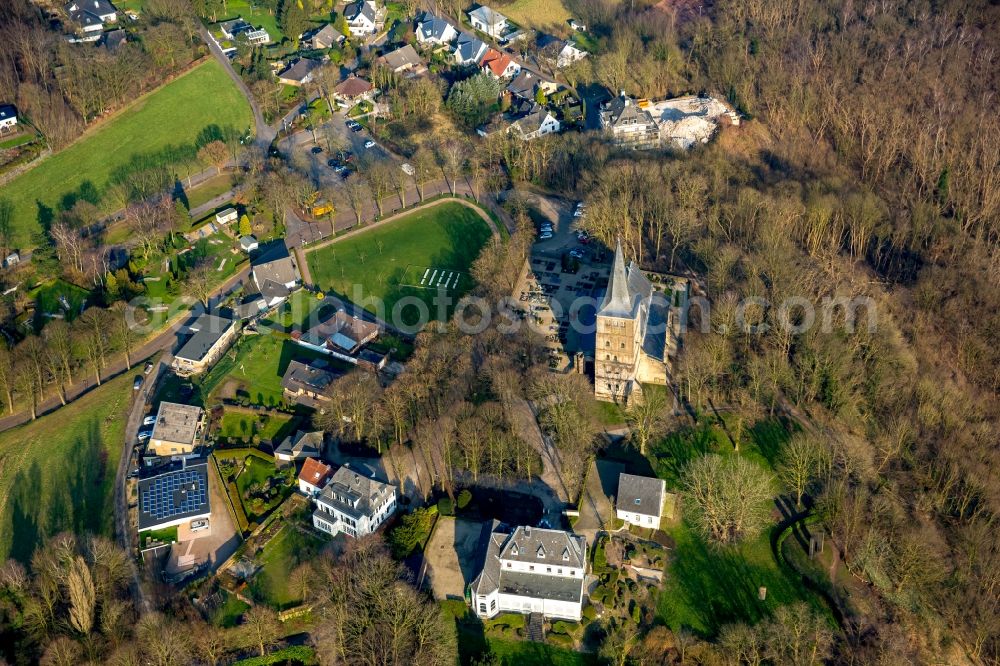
point(174, 494)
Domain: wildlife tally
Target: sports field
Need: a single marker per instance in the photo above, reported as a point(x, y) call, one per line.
point(147, 135)
point(58, 473)
point(415, 256)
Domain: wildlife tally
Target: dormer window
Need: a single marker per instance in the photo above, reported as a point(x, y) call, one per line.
point(638, 501)
point(514, 550)
point(566, 554)
point(540, 553)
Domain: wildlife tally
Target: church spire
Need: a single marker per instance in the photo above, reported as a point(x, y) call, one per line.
point(617, 302)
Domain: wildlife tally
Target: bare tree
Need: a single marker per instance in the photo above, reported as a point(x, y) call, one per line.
point(82, 596)
point(647, 416)
point(728, 499)
point(260, 627)
point(214, 153)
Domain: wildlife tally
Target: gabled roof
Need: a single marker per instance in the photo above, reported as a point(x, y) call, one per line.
point(488, 16)
point(302, 444)
point(327, 34)
point(536, 545)
point(315, 472)
point(524, 84)
point(362, 8)
point(623, 111)
point(401, 57)
point(113, 40)
point(304, 376)
point(469, 48)
point(341, 331)
point(496, 61)
point(640, 494)
point(299, 70)
point(431, 27)
point(532, 122)
point(277, 266)
point(7, 111)
point(355, 493)
point(79, 9)
point(353, 86)
point(207, 330)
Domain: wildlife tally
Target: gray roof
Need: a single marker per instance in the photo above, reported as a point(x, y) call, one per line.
point(432, 27)
point(172, 496)
point(361, 7)
point(640, 494)
point(617, 300)
point(488, 16)
point(276, 265)
point(524, 84)
point(299, 70)
point(353, 492)
point(622, 111)
point(536, 545)
point(302, 444)
point(7, 111)
point(630, 295)
point(207, 330)
point(401, 57)
point(340, 330)
point(176, 423)
point(113, 40)
point(468, 47)
point(89, 12)
point(528, 544)
point(533, 121)
point(309, 377)
point(326, 35)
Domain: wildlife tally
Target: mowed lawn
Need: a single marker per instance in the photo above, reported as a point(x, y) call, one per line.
point(287, 550)
point(173, 115)
point(58, 473)
point(380, 266)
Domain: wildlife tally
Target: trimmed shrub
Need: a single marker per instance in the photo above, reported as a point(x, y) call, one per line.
point(589, 612)
point(445, 507)
point(464, 498)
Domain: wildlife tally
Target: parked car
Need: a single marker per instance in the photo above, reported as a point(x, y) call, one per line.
point(408, 168)
point(137, 384)
point(316, 150)
point(144, 435)
point(332, 163)
point(198, 525)
point(340, 168)
point(148, 369)
point(149, 420)
point(577, 254)
point(369, 144)
point(579, 212)
point(545, 235)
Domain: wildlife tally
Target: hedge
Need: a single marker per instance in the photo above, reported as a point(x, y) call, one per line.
point(227, 454)
point(241, 516)
point(300, 654)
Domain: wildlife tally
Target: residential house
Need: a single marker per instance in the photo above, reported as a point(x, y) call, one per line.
point(469, 50)
point(306, 383)
point(364, 17)
point(499, 64)
point(11, 259)
point(628, 124)
point(313, 477)
point(491, 22)
point(91, 16)
point(535, 124)
point(531, 570)
point(226, 216)
point(300, 446)
point(276, 275)
point(8, 118)
point(210, 337)
point(526, 84)
point(299, 72)
point(174, 498)
point(403, 59)
point(577, 25)
point(559, 53)
point(353, 90)
point(177, 430)
point(323, 38)
point(344, 336)
point(353, 502)
point(640, 500)
point(434, 30)
point(233, 29)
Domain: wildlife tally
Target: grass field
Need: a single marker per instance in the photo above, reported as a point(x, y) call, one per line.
point(208, 190)
point(172, 116)
point(251, 13)
point(58, 472)
point(374, 268)
point(229, 612)
point(281, 555)
point(240, 426)
point(538, 14)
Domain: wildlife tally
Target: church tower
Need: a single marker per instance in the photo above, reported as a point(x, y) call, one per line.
point(618, 337)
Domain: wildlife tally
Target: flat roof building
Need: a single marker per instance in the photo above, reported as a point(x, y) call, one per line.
point(210, 335)
point(174, 497)
point(176, 431)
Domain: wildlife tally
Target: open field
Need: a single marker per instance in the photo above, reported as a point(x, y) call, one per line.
point(58, 472)
point(538, 14)
point(376, 264)
point(259, 18)
point(208, 190)
point(241, 426)
point(169, 120)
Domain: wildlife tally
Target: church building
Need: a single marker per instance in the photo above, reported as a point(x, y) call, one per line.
point(633, 337)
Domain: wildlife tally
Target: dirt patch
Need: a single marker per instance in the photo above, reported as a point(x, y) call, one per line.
point(228, 389)
point(452, 557)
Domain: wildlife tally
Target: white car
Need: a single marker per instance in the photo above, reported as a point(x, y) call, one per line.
point(369, 144)
point(576, 254)
point(579, 212)
point(149, 420)
point(545, 235)
point(198, 525)
point(408, 168)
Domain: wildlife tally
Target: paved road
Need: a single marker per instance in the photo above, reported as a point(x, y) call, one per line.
point(265, 133)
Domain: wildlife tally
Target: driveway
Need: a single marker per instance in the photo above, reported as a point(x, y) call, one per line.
point(452, 557)
point(596, 511)
point(214, 545)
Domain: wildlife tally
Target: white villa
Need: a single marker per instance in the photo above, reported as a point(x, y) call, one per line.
point(640, 500)
point(363, 17)
point(532, 570)
point(489, 21)
point(353, 503)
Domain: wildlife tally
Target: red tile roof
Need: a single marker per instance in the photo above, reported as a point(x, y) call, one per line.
point(316, 473)
point(496, 61)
